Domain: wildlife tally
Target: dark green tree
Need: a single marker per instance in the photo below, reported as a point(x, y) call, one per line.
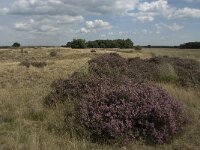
point(78, 43)
point(16, 44)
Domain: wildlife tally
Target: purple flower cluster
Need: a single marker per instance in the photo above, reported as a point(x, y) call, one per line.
point(115, 102)
point(129, 111)
point(112, 65)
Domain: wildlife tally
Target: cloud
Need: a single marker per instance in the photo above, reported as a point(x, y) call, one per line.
point(164, 9)
point(145, 31)
point(192, 1)
point(175, 27)
point(98, 24)
point(187, 13)
point(172, 27)
point(84, 30)
point(93, 26)
point(69, 7)
point(4, 11)
point(144, 16)
point(48, 24)
point(152, 6)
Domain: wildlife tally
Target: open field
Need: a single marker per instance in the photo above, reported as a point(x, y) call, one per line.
point(26, 124)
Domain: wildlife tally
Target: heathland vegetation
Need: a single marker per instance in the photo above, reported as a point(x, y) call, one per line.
point(62, 98)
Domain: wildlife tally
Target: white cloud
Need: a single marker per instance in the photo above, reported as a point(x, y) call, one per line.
point(93, 26)
point(98, 24)
point(187, 13)
point(155, 5)
point(172, 27)
point(84, 30)
point(48, 24)
point(144, 16)
point(69, 7)
point(4, 11)
point(175, 27)
point(163, 8)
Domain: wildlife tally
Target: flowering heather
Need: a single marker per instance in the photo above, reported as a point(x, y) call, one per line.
point(184, 72)
point(129, 111)
point(108, 64)
point(121, 105)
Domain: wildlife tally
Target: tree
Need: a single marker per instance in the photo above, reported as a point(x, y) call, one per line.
point(92, 44)
point(149, 46)
point(119, 43)
point(128, 43)
point(16, 44)
point(78, 43)
point(190, 45)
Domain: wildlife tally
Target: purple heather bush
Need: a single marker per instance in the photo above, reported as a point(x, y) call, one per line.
point(121, 105)
point(129, 111)
point(183, 72)
point(108, 65)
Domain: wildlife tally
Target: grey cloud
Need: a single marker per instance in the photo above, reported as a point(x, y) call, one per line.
point(69, 7)
point(48, 23)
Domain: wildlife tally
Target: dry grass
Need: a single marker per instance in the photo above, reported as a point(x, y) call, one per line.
point(26, 124)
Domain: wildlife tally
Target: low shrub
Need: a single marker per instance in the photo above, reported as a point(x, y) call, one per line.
point(167, 73)
point(39, 64)
point(93, 51)
point(25, 63)
point(187, 70)
point(53, 54)
point(138, 48)
point(183, 72)
point(141, 70)
point(108, 65)
point(115, 110)
point(28, 63)
point(114, 102)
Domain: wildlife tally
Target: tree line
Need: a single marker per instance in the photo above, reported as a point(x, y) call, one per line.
point(119, 43)
point(190, 45)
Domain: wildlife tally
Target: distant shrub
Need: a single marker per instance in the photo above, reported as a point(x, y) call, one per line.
point(23, 51)
point(53, 54)
point(138, 48)
point(38, 64)
point(28, 63)
point(16, 44)
point(93, 51)
point(25, 63)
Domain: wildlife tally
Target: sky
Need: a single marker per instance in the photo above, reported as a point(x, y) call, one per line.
point(55, 22)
